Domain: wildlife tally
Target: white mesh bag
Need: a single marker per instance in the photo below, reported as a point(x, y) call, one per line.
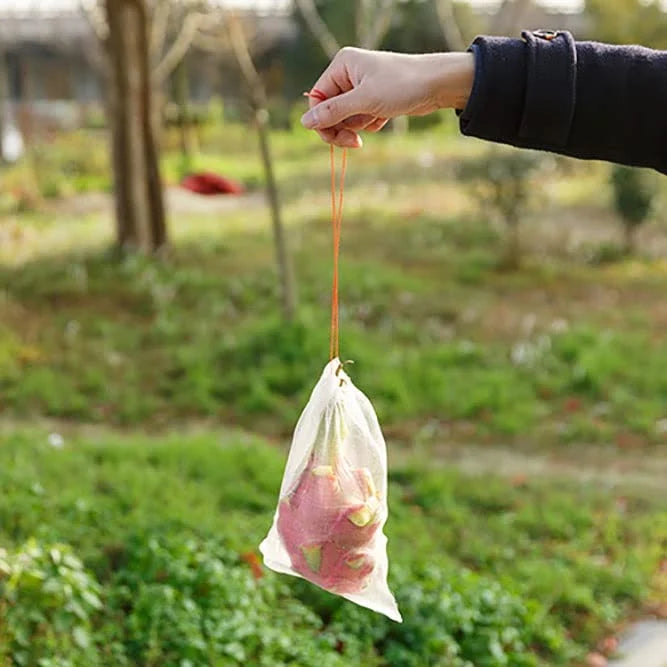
point(328, 527)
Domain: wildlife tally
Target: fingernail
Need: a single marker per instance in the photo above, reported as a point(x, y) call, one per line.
point(309, 119)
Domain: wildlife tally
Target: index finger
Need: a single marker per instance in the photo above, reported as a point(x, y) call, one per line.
point(333, 81)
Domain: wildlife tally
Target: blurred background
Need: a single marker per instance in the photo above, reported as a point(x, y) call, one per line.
point(164, 300)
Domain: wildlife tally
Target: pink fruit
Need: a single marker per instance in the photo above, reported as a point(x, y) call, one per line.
point(328, 524)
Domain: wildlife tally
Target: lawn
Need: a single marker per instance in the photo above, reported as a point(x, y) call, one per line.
point(561, 351)
point(495, 571)
point(176, 385)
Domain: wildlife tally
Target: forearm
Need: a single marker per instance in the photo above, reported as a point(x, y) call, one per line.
point(582, 99)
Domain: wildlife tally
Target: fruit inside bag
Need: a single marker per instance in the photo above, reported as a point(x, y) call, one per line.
point(333, 499)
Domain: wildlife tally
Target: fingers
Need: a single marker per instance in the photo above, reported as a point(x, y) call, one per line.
point(328, 135)
point(334, 110)
point(348, 139)
point(333, 81)
point(346, 134)
point(376, 124)
point(363, 122)
point(357, 122)
point(338, 107)
point(341, 137)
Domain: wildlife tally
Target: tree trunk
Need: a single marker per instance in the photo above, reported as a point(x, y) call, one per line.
point(629, 238)
point(508, 17)
point(140, 215)
point(258, 100)
point(24, 107)
point(29, 128)
point(284, 264)
point(182, 93)
point(318, 27)
point(512, 259)
point(158, 107)
point(451, 30)
point(4, 103)
point(400, 125)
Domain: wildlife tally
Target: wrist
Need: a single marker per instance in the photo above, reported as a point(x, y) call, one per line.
point(451, 80)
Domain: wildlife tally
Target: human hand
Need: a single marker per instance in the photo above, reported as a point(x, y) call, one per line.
point(364, 89)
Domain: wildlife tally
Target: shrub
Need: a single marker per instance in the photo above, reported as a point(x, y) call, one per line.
point(503, 180)
point(634, 192)
point(173, 600)
point(47, 603)
point(604, 253)
point(188, 600)
point(455, 618)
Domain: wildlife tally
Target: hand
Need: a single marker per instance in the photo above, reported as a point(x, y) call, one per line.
point(364, 89)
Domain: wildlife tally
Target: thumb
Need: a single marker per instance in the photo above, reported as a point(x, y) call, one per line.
point(334, 110)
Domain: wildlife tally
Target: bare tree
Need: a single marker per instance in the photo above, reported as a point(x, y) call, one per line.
point(372, 22)
point(4, 102)
point(258, 100)
point(165, 57)
point(509, 16)
point(173, 27)
point(506, 20)
point(187, 141)
point(318, 27)
point(233, 42)
point(451, 31)
point(143, 41)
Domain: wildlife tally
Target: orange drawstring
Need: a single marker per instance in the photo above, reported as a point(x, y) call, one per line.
point(336, 219)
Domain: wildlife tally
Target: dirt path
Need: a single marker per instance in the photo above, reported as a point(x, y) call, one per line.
point(644, 469)
point(644, 644)
point(178, 202)
point(599, 464)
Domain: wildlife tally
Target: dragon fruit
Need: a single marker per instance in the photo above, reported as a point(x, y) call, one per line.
point(328, 524)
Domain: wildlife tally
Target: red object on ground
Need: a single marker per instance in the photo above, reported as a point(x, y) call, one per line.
point(252, 559)
point(207, 183)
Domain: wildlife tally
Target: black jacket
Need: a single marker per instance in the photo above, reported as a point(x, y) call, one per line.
point(583, 99)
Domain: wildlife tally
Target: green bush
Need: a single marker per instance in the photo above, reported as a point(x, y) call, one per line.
point(71, 162)
point(428, 122)
point(47, 604)
point(169, 526)
point(504, 181)
point(192, 600)
point(172, 599)
point(451, 617)
point(604, 253)
point(634, 192)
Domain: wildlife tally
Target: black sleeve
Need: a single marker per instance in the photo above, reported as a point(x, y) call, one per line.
point(583, 99)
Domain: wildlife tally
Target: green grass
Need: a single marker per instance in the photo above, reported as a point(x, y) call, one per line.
point(451, 349)
point(579, 558)
point(436, 331)
point(561, 351)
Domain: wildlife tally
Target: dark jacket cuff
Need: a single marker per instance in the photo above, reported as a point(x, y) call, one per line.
point(495, 104)
point(524, 90)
